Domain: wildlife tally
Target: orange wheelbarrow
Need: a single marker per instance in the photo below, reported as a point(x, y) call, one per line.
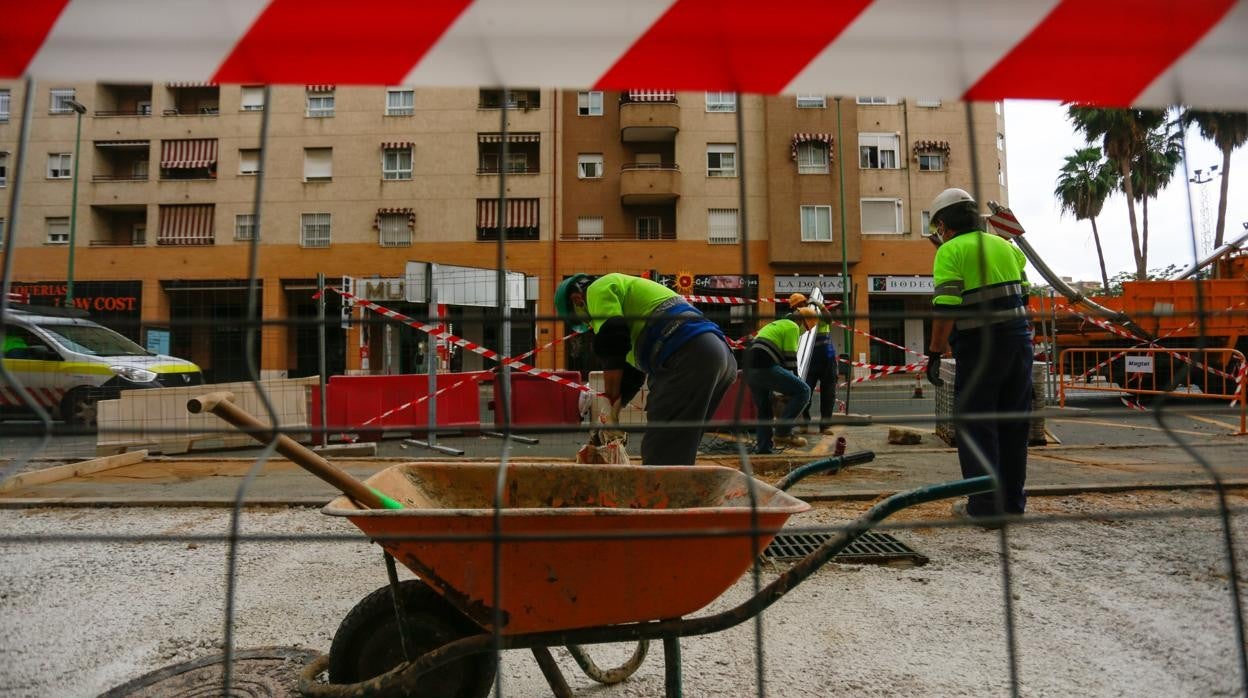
point(531, 556)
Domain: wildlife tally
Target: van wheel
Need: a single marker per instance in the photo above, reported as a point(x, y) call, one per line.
point(79, 407)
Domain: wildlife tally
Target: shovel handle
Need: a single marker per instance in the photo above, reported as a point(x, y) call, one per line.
point(222, 405)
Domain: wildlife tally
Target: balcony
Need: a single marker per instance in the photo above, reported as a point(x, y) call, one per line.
point(649, 183)
point(118, 226)
point(649, 116)
point(113, 99)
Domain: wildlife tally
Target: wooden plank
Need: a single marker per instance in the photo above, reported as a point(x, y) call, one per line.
point(63, 472)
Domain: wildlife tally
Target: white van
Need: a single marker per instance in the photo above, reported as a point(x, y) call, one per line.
point(67, 363)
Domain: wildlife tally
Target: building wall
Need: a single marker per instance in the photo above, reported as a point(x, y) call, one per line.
point(445, 186)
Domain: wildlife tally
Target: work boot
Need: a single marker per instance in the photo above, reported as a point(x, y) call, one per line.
point(959, 512)
point(828, 431)
point(789, 441)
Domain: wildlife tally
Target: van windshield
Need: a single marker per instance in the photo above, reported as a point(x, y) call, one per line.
point(95, 340)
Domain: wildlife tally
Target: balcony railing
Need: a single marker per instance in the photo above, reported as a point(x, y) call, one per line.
point(514, 169)
point(119, 178)
point(202, 111)
point(136, 242)
point(125, 112)
point(649, 166)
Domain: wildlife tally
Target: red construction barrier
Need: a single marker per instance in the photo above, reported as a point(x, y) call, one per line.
point(358, 400)
point(536, 400)
point(728, 406)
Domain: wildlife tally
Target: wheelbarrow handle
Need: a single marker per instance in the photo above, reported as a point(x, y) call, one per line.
point(222, 404)
point(831, 464)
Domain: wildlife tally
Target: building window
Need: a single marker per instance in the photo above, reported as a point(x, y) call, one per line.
point(1, 232)
point(60, 165)
point(589, 103)
point(58, 231)
point(589, 166)
point(4, 169)
point(925, 223)
point(253, 98)
point(721, 160)
point(4, 105)
point(396, 163)
point(400, 102)
point(812, 157)
point(809, 101)
point(1000, 174)
point(318, 164)
point(877, 100)
point(248, 161)
point(997, 106)
point(931, 162)
point(816, 223)
point(929, 103)
point(721, 101)
point(320, 104)
point(1000, 141)
point(649, 228)
point(878, 151)
point(881, 215)
point(60, 99)
point(244, 226)
point(314, 230)
point(722, 226)
point(492, 98)
point(589, 228)
point(394, 229)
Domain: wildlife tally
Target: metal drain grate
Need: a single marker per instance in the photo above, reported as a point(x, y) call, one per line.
point(870, 548)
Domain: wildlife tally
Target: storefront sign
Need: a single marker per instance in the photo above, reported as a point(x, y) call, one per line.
point(901, 284)
point(717, 284)
point(829, 285)
point(114, 304)
point(393, 289)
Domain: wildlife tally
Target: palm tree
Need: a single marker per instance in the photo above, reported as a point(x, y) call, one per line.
point(1122, 133)
point(1228, 131)
point(1086, 180)
point(1153, 168)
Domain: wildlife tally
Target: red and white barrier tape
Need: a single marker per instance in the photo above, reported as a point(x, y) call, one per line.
point(476, 378)
point(437, 332)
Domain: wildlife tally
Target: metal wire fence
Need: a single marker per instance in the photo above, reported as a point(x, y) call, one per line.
point(475, 373)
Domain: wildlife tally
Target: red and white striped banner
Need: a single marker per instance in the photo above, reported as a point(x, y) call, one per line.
point(1111, 52)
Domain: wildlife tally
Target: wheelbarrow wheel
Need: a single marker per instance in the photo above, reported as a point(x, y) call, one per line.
point(368, 644)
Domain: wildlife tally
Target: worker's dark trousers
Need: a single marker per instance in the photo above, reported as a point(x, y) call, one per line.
point(822, 372)
point(686, 388)
point(993, 378)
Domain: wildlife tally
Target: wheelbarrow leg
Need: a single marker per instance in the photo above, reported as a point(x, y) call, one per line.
point(551, 671)
point(671, 667)
point(404, 641)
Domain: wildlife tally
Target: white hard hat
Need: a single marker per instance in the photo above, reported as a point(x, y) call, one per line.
point(947, 198)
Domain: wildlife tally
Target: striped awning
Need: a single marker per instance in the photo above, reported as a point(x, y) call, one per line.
point(511, 138)
point(521, 213)
point(320, 88)
point(825, 138)
point(651, 96)
point(185, 224)
point(411, 216)
point(190, 84)
point(188, 154)
point(390, 145)
point(122, 144)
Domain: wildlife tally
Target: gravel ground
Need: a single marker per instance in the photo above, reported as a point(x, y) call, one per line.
point(1123, 607)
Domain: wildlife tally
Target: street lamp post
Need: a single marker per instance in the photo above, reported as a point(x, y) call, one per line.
point(79, 110)
point(1206, 238)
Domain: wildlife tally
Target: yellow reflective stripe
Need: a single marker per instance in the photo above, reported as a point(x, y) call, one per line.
point(173, 368)
point(947, 300)
point(79, 367)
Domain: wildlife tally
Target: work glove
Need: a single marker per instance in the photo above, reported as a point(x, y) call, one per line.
point(614, 416)
point(610, 431)
point(933, 368)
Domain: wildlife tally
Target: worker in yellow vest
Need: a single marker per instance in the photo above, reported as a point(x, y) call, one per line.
point(771, 361)
point(642, 329)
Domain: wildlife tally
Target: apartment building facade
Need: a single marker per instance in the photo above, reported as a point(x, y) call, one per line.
point(359, 182)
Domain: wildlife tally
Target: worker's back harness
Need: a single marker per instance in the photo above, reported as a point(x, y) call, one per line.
point(669, 326)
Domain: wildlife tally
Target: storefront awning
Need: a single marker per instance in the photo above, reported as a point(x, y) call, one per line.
point(411, 216)
point(521, 213)
point(651, 96)
point(825, 138)
point(188, 154)
point(185, 224)
point(511, 138)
